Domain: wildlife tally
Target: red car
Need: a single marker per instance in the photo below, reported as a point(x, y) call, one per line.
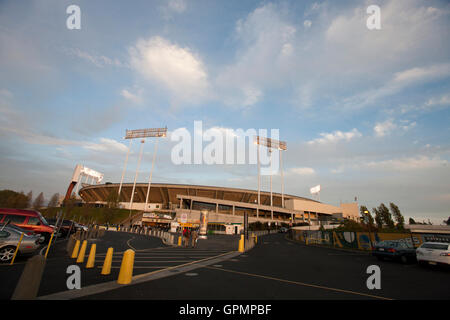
point(27, 219)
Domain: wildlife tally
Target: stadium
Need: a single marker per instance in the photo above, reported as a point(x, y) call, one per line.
point(181, 204)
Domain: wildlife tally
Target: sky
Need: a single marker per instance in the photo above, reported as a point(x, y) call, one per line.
point(364, 112)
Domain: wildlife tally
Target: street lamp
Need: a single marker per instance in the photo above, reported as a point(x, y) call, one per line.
point(368, 224)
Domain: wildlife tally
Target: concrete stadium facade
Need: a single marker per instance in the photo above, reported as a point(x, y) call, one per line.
point(225, 205)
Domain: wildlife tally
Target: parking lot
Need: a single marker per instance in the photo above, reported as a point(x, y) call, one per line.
point(276, 269)
point(150, 255)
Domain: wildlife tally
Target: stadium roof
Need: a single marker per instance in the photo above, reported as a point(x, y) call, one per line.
point(166, 192)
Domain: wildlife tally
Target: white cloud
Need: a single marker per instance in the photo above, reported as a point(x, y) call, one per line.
point(411, 163)
point(107, 146)
point(336, 136)
point(133, 97)
point(178, 6)
point(98, 60)
point(384, 128)
point(267, 47)
point(303, 171)
point(400, 81)
point(177, 69)
point(443, 100)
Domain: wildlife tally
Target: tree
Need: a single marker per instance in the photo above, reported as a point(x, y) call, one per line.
point(29, 199)
point(53, 200)
point(411, 221)
point(12, 199)
point(112, 203)
point(397, 216)
point(378, 218)
point(386, 216)
point(39, 201)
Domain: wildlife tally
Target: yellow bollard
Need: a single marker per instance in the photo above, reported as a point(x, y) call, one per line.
point(126, 268)
point(49, 244)
point(82, 252)
point(241, 244)
point(107, 263)
point(75, 249)
point(91, 258)
point(179, 241)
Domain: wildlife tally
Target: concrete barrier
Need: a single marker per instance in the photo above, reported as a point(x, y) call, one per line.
point(28, 286)
point(82, 252)
point(91, 258)
point(75, 249)
point(106, 269)
point(70, 244)
point(126, 268)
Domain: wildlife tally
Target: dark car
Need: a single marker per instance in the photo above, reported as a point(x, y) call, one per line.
point(65, 227)
point(283, 230)
point(394, 250)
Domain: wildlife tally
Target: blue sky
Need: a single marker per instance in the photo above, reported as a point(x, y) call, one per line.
point(364, 112)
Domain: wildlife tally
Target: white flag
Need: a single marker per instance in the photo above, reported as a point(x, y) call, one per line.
point(315, 189)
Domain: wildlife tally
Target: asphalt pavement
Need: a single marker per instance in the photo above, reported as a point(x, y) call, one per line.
point(276, 269)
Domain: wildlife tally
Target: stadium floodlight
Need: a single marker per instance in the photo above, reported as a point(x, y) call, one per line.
point(140, 134)
point(146, 133)
point(270, 144)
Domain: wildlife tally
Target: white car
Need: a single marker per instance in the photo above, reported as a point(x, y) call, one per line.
point(433, 253)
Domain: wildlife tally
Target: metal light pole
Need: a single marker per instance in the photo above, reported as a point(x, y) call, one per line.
point(141, 133)
point(162, 133)
point(368, 223)
point(271, 144)
point(137, 171)
point(282, 180)
point(259, 184)
point(271, 195)
point(124, 168)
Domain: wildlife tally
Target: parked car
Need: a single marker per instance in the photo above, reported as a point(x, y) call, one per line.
point(27, 219)
point(9, 240)
point(433, 253)
point(283, 230)
point(65, 226)
point(395, 250)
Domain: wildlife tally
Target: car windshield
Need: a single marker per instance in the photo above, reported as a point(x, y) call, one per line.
point(42, 218)
point(436, 246)
point(390, 244)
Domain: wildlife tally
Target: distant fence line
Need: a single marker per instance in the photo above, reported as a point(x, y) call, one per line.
point(360, 240)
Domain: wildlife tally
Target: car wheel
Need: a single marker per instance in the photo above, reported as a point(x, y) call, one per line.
point(7, 253)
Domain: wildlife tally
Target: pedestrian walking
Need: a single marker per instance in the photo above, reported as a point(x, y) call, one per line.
point(186, 237)
point(194, 237)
